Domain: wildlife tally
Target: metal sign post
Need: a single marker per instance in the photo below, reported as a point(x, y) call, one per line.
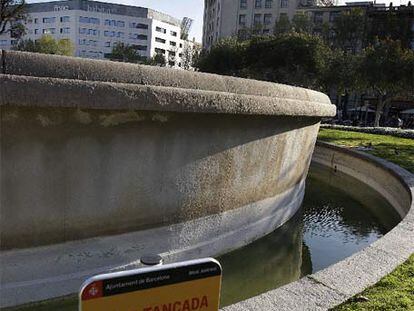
point(184, 286)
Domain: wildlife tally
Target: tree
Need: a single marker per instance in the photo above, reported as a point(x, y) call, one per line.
point(392, 23)
point(47, 45)
point(225, 57)
point(188, 55)
point(157, 60)
point(294, 58)
point(125, 53)
point(11, 11)
point(388, 70)
point(302, 23)
point(342, 75)
point(349, 28)
point(282, 25)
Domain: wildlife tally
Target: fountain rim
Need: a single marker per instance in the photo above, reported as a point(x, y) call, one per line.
point(31, 79)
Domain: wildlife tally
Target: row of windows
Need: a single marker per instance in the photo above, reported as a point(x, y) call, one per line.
point(89, 20)
point(92, 32)
point(267, 4)
point(88, 42)
point(257, 19)
point(172, 43)
point(52, 31)
point(136, 36)
point(109, 44)
point(48, 20)
point(108, 33)
point(164, 31)
point(112, 22)
point(138, 25)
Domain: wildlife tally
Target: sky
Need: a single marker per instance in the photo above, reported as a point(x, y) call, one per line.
point(192, 9)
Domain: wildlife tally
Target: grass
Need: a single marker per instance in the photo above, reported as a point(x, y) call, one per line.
point(394, 149)
point(396, 290)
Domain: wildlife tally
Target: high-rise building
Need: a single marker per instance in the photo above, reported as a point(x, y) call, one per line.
point(95, 27)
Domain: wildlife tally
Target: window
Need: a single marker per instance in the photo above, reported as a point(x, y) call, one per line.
point(49, 31)
point(242, 20)
point(120, 34)
point(138, 25)
point(181, 45)
point(4, 42)
point(171, 63)
point(121, 24)
point(36, 31)
point(49, 20)
point(89, 20)
point(83, 19)
point(171, 53)
point(140, 47)
point(257, 19)
point(65, 30)
point(266, 31)
point(162, 30)
point(82, 30)
point(267, 19)
point(268, 4)
point(243, 4)
point(108, 44)
point(108, 33)
point(284, 3)
point(258, 4)
point(172, 43)
point(173, 33)
point(159, 40)
point(65, 19)
point(36, 20)
point(107, 22)
point(318, 17)
point(334, 15)
point(138, 36)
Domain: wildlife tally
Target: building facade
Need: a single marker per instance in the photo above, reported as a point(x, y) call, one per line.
point(225, 18)
point(95, 27)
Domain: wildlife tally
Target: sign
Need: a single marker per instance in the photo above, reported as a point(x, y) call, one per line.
point(185, 286)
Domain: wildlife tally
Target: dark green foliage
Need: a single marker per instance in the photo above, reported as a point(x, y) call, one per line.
point(226, 57)
point(293, 58)
point(11, 11)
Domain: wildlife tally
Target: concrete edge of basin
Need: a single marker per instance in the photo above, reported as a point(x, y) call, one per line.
point(126, 82)
point(30, 91)
point(337, 283)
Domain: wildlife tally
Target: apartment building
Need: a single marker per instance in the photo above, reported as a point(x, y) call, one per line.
point(95, 27)
point(225, 18)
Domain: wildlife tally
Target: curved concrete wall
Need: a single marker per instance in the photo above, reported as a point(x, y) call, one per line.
point(341, 281)
point(179, 163)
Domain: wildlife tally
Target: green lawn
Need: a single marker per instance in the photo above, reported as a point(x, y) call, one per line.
point(394, 149)
point(396, 290)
